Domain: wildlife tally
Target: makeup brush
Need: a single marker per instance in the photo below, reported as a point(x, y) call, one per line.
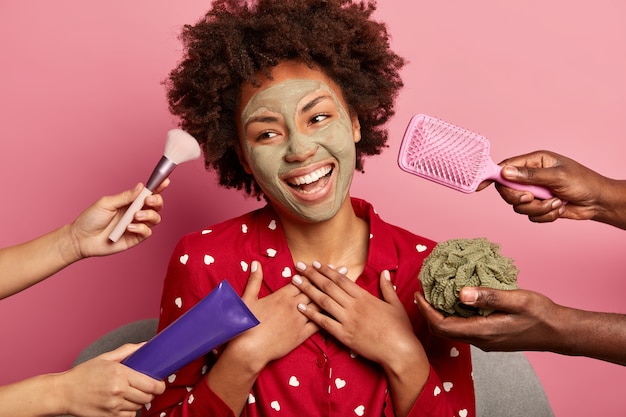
point(180, 147)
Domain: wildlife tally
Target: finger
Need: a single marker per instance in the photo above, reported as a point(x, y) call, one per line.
point(387, 289)
point(144, 387)
point(483, 185)
point(162, 186)
point(154, 202)
point(332, 282)
point(253, 286)
point(149, 217)
point(323, 301)
point(493, 299)
point(320, 319)
point(127, 197)
point(121, 352)
point(140, 229)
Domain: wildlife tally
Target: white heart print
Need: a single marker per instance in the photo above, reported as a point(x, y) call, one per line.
point(359, 411)
point(171, 378)
point(275, 405)
point(447, 386)
point(184, 258)
point(251, 399)
point(286, 272)
point(437, 391)
point(190, 399)
point(454, 352)
point(272, 225)
point(179, 302)
point(293, 381)
point(208, 259)
point(340, 383)
point(271, 252)
point(421, 248)
point(244, 266)
point(463, 413)
point(207, 231)
point(244, 228)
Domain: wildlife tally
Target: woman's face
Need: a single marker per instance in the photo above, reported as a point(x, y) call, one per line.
point(298, 140)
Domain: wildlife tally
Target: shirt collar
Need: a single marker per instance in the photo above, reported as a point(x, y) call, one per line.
point(381, 252)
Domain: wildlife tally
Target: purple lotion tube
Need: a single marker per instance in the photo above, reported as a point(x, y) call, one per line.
point(218, 317)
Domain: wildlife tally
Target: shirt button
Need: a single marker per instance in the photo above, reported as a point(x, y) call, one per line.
point(320, 362)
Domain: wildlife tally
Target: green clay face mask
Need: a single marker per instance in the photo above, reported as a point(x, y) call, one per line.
point(300, 146)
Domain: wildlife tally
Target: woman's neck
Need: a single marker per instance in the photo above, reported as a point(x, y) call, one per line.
point(340, 241)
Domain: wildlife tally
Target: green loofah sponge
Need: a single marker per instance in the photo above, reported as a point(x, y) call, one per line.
point(459, 263)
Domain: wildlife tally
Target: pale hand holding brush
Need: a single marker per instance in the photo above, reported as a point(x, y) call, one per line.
point(180, 147)
point(449, 155)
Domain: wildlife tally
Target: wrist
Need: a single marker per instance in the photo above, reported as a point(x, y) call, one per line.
point(53, 395)
point(408, 365)
point(68, 245)
point(611, 205)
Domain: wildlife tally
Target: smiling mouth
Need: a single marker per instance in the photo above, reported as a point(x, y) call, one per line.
point(309, 183)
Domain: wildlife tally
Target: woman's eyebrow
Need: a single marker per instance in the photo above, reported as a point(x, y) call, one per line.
point(313, 102)
point(262, 119)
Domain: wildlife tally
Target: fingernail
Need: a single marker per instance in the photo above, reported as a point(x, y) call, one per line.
point(468, 296)
point(556, 203)
point(300, 266)
point(301, 307)
point(343, 270)
point(140, 215)
point(510, 171)
point(526, 198)
point(317, 265)
point(254, 267)
point(296, 279)
point(386, 275)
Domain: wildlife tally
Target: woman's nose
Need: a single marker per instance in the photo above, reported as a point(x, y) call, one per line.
point(300, 147)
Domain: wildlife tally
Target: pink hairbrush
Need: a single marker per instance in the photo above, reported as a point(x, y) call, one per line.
point(180, 147)
point(449, 155)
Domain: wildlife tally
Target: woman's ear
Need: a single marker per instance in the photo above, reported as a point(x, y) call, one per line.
point(356, 128)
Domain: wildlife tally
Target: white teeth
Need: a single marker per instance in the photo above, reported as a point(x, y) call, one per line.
point(312, 177)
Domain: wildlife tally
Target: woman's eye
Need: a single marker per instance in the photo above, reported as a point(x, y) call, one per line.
point(268, 135)
point(319, 118)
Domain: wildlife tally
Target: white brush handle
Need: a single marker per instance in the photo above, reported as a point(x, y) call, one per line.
point(127, 218)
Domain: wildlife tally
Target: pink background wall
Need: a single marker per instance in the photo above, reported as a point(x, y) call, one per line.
point(84, 115)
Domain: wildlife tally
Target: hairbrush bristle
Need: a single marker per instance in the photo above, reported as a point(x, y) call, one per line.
point(452, 156)
point(181, 147)
point(444, 153)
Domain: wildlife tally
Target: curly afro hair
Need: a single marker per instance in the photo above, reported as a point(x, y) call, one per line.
point(239, 39)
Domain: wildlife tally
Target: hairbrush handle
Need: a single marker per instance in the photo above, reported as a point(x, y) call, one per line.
point(128, 216)
point(537, 191)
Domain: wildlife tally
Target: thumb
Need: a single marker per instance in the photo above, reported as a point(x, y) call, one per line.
point(387, 289)
point(482, 297)
point(124, 198)
point(529, 175)
point(121, 352)
point(251, 292)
